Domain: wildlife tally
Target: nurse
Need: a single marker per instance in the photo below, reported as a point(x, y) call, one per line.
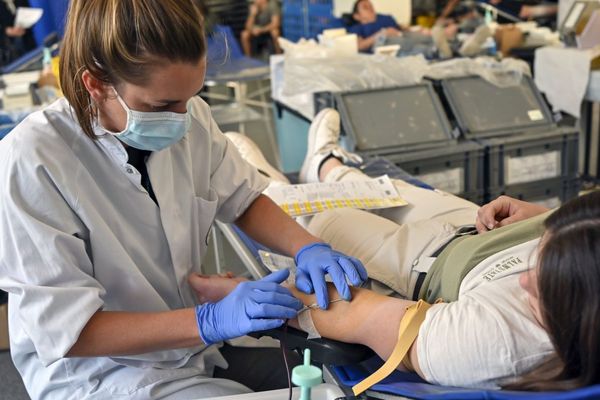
point(106, 202)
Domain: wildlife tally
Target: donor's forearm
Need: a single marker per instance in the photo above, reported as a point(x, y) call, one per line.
point(370, 319)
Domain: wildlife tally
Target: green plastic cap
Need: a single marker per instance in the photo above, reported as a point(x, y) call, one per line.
point(489, 18)
point(47, 60)
point(307, 375)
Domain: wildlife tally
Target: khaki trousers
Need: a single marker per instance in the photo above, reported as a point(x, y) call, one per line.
point(394, 244)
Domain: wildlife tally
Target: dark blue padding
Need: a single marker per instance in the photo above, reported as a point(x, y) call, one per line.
point(9, 120)
point(5, 129)
point(225, 58)
point(336, 23)
point(412, 386)
point(25, 59)
point(252, 245)
point(221, 44)
point(53, 19)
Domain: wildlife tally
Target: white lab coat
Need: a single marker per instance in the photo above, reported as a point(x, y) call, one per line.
point(79, 233)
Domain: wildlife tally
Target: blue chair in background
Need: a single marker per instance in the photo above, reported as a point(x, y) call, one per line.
point(53, 19)
point(228, 67)
point(227, 62)
point(29, 61)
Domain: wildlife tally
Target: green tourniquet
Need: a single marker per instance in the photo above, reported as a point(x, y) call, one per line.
point(463, 254)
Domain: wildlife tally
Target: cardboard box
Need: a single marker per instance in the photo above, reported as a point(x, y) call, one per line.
point(508, 37)
point(4, 344)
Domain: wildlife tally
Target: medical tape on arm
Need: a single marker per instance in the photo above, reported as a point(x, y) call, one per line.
point(306, 323)
point(305, 320)
point(407, 333)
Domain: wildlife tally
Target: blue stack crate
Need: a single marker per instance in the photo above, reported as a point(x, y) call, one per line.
point(294, 20)
point(320, 16)
point(306, 18)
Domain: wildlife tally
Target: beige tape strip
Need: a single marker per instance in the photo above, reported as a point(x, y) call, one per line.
point(306, 323)
point(407, 333)
point(305, 320)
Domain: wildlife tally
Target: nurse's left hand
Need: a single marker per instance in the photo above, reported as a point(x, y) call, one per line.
point(316, 260)
point(252, 306)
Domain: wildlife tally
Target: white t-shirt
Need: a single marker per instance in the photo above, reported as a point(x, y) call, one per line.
point(489, 336)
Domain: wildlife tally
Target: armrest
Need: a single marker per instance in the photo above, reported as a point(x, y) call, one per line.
point(322, 350)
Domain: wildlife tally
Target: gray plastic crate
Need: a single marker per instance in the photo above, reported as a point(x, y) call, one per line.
point(390, 120)
point(477, 197)
point(457, 168)
point(550, 193)
point(482, 109)
point(530, 158)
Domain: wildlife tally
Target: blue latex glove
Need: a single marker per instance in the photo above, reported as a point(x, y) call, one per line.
point(252, 306)
point(317, 259)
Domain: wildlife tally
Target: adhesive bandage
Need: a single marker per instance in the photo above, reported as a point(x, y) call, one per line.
point(305, 319)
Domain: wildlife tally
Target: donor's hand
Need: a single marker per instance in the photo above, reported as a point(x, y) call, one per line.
point(505, 211)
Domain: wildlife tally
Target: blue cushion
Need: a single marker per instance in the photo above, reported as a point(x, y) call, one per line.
point(25, 59)
point(10, 119)
point(412, 386)
point(5, 129)
point(222, 45)
point(225, 60)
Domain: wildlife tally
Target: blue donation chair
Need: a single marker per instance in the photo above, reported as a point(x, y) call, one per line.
point(227, 66)
point(347, 364)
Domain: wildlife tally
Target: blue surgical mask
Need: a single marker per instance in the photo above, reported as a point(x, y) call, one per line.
point(152, 131)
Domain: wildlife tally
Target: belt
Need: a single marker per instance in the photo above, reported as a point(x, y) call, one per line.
point(462, 231)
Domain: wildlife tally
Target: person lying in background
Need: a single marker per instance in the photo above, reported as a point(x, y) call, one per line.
point(370, 26)
point(374, 30)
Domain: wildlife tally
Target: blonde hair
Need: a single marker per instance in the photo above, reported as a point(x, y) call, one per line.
point(121, 41)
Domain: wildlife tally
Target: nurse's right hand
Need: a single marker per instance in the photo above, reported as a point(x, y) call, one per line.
point(252, 306)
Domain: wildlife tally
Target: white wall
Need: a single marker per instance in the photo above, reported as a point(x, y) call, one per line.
point(400, 9)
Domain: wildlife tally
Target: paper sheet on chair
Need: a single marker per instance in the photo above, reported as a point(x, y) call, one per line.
point(312, 198)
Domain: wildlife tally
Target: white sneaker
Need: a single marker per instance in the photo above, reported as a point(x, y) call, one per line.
point(473, 45)
point(252, 154)
point(438, 35)
point(323, 137)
